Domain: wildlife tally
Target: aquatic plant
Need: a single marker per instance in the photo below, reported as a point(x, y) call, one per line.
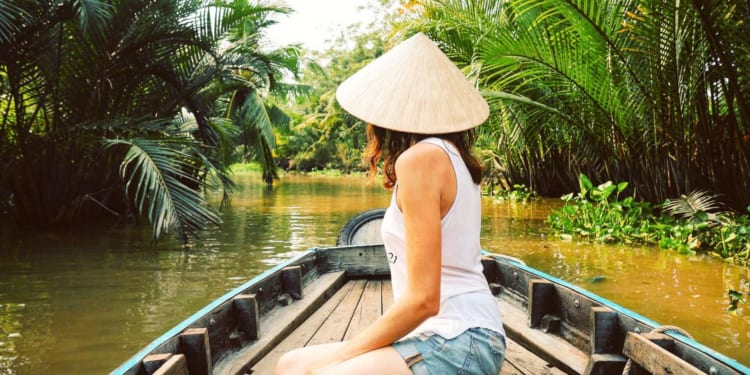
point(690, 224)
point(517, 193)
point(598, 213)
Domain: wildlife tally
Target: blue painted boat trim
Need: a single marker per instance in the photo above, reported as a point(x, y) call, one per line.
point(136, 359)
point(605, 302)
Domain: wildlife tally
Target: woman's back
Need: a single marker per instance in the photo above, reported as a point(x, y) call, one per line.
point(465, 299)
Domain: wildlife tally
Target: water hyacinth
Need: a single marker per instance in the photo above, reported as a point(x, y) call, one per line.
point(693, 223)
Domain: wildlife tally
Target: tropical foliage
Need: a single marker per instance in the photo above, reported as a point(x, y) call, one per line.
point(599, 213)
point(123, 108)
point(517, 193)
point(324, 136)
point(693, 223)
point(251, 74)
point(654, 92)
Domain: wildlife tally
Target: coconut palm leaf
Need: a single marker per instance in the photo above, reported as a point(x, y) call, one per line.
point(216, 162)
point(93, 15)
point(11, 19)
point(248, 71)
point(279, 118)
point(646, 91)
point(256, 128)
point(157, 173)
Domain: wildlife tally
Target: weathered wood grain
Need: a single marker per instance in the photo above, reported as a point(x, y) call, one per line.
point(543, 300)
point(553, 349)
point(702, 360)
point(510, 369)
point(334, 328)
point(197, 350)
point(361, 298)
point(280, 322)
point(490, 269)
point(605, 364)
point(357, 261)
point(153, 362)
point(519, 360)
point(368, 310)
point(606, 337)
point(175, 365)
point(247, 315)
point(291, 281)
point(302, 335)
point(654, 358)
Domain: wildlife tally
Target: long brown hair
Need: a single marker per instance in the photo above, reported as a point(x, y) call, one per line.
point(388, 145)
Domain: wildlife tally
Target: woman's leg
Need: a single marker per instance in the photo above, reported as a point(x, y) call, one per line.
point(300, 361)
point(385, 360)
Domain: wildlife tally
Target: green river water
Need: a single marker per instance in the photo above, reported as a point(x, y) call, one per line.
point(83, 300)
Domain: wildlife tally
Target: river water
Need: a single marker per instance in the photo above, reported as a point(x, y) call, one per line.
point(83, 300)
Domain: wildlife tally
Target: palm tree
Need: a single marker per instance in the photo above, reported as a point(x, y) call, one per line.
point(251, 74)
point(106, 111)
point(653, 92)
point(326, 136)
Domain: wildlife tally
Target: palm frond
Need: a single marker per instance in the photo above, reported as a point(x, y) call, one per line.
point(11, 17)
point(689, 206)
point(250, 113)
point(278, 117)
point(157, 173)
point(93, 15)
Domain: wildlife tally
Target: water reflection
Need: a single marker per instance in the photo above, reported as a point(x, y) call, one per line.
point(82, 301)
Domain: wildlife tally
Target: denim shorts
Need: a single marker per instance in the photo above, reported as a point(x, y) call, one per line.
point(475, 351)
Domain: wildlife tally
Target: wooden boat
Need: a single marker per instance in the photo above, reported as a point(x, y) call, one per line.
point(329, 294)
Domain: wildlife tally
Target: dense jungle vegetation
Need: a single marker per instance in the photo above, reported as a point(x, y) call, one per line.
point(123, 108)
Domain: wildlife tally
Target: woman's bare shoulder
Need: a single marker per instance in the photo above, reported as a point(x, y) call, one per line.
point(422, 155)
point(424, 167)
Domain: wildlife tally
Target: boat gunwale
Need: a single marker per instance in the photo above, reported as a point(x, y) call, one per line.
point(325, 265)
point(136, 359)
point(719, 357)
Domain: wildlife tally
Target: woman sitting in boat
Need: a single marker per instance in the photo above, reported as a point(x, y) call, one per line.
point(422, 113)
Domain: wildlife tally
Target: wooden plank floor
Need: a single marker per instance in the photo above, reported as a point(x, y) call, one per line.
point(357, 304)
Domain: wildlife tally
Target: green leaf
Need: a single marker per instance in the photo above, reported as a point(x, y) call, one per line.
point(93, 15)
point(603, 191)
point(155, 173)
point(585, 184)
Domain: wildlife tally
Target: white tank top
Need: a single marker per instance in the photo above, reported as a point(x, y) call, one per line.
point(465, 298)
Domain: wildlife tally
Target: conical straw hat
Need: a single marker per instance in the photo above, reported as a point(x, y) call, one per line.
point(413, 88)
